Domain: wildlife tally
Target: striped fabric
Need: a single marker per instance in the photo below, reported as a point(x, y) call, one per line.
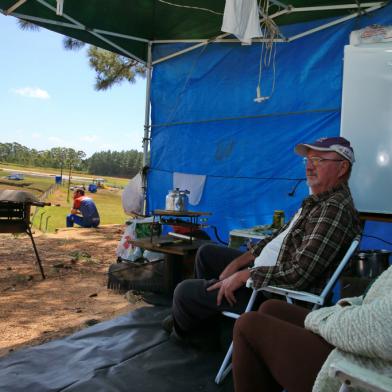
point(314, 246)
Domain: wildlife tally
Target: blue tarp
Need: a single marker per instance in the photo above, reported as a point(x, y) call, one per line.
point(204, 121)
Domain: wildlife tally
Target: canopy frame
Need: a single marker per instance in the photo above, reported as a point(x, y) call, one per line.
point(222, 38)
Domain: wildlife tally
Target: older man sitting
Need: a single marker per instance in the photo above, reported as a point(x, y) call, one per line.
point(301, 255)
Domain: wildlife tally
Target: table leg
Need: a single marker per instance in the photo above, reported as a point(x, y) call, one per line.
point(173, 272)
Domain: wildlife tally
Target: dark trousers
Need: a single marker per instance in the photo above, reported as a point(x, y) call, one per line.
point(273, 351)
point(192, 303)
point(79, 220)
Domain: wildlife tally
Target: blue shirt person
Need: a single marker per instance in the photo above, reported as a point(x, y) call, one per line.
point(84, 212)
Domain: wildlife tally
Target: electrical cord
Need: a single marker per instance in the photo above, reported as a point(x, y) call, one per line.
point(377, 238)
point(217, 235)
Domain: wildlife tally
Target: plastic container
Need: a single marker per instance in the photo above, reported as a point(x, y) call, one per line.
point(170, 198)
point(92, 188)
point(57, 180)
point(278, 219)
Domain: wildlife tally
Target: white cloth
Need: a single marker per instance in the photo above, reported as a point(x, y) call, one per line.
point(360, 332)
point(241, 18)
point(194, 183)
point(269, 255)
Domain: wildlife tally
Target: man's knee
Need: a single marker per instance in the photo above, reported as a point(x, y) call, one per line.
point(203, 255)
point(184, 292)
point(204, 251)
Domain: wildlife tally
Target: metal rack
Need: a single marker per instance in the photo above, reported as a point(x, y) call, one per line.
point(192, 216)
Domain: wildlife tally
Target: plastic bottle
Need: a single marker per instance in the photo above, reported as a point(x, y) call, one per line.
point(169, 203)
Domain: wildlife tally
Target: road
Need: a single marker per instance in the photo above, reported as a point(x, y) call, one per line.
point(41, 174)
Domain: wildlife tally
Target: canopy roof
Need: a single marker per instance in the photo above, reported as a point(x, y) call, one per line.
point(128, 26)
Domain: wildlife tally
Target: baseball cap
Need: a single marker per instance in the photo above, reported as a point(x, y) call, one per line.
point(339, 145)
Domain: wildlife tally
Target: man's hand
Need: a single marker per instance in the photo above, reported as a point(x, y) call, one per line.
point(74, 211)
point(228, 286)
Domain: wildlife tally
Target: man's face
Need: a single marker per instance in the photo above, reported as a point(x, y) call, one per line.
point(325, 174)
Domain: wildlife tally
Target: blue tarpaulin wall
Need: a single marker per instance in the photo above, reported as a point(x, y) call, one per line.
point(204, 121)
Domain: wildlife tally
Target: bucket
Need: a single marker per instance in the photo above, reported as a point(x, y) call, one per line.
point(92, 188)
point(371, 263)
point(57, 180)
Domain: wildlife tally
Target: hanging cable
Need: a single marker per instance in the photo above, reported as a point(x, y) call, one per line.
point(191, 7)
point(217, 235)
point(270, 31)
point(377, 238)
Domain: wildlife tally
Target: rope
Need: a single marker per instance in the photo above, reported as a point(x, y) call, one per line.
point(245, 117)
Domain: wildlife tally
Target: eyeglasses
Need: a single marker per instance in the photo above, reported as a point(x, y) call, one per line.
point(317, 161)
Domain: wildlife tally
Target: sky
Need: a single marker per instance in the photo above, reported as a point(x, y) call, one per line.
point(47, 97)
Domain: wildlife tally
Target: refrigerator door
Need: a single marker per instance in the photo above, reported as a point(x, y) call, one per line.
point(367, 122)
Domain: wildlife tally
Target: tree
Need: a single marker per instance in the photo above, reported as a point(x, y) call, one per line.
point(110, 68)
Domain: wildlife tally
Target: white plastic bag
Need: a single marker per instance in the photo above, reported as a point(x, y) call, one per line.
point(129, 252)
point(132, 196)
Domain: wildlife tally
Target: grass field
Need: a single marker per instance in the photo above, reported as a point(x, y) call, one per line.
point(6, 169)
point(108, 201)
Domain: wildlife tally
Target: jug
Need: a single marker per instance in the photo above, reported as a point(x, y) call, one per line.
point(181, 200)
point(170, 197)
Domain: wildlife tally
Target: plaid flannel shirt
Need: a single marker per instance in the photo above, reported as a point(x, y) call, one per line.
point(314, 246)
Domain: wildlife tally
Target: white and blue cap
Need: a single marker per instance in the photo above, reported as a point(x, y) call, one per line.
point(339, 145)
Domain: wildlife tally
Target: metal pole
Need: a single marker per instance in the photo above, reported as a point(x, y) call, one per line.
point(61, 171)
point(46, 224)
point(69, 180)
point(146, 138)
point(40, 221)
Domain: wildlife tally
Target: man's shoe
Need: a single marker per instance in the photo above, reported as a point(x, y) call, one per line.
point(168, 324)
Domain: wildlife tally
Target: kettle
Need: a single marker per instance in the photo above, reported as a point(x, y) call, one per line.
point(181, 200)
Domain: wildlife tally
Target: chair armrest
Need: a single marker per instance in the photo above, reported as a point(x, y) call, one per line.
point(356, 376)
point(299, 295)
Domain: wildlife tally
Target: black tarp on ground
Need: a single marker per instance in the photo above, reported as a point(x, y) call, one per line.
point(129, 353)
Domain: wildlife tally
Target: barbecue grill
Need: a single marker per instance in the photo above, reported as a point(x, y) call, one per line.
point(15, 215)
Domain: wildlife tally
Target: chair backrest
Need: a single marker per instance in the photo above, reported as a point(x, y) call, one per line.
point(342, 265)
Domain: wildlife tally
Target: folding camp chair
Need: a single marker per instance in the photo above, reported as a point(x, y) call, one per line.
point(354, 376)
point(316, 300)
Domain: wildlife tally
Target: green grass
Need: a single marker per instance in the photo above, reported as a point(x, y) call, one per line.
point(7, 168)
point(108, 202)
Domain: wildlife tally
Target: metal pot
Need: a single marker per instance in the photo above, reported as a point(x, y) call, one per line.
point(181, 201)
point(371, 263)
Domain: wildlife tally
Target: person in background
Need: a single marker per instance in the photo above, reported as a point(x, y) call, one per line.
point(302, 255)
point(84, 211)
point(284, 346)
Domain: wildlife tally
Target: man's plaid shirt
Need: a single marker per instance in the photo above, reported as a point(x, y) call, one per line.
point(314, 246)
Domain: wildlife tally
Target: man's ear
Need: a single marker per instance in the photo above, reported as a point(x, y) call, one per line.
point(344, 168)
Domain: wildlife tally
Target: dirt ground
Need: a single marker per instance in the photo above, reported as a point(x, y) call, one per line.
point(74, 295)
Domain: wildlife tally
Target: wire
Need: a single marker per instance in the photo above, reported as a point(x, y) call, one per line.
point(217, 236)
point(377, 238)
point(238, 177)
point(269, 31)
point(192, 7)
point(255, 116)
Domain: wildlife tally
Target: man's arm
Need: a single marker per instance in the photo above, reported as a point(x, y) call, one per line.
point(243, 261)
point(328, 230)
point(234, 276)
